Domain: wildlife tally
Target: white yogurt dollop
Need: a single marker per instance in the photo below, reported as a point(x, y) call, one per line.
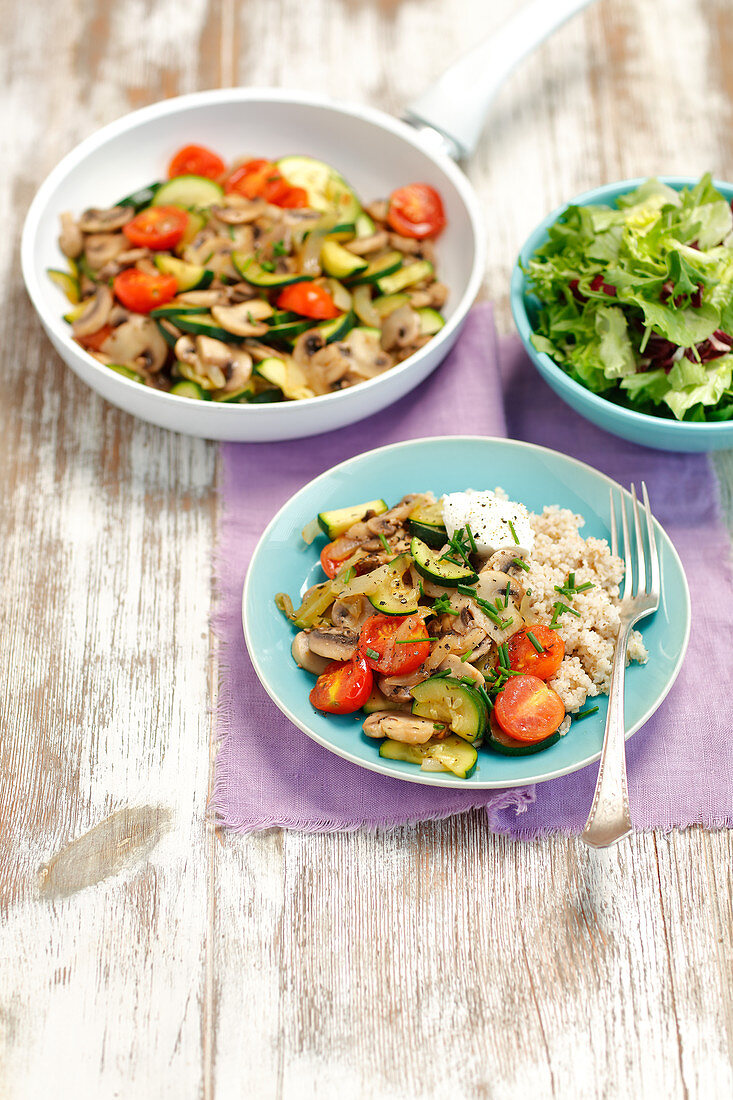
point(489, 518)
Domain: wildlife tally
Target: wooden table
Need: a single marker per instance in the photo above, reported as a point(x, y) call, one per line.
point(434, 962)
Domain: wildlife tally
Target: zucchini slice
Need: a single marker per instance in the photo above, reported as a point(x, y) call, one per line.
point(386, 265)
point(285, 331)
point(364, 226)
point(388, 303)
point(141, 198)
point(429, 565)
point(190, 389)
point(246, 393)
point(455, 754)
point(255, 274)
point(377, 701)
point(393, 596)
point(430, 321)
point(188, 191)
point(66, 282)
point(339, 520)
point(452, 702)
point(196, 223)
point(338, 328)
point(507, 746)
point(286, 375)
point(126, 372)
point(406, 276)
point(426, 522)
point(203, 324)
point(339, 262)
point(187, 276)
point(327, 189)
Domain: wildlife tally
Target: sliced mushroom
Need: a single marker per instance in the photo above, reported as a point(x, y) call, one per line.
point(411, 245)
point(364, 246)
point(438, 295)
point(213, 364)
point(96, 312)
point(261, 351)
point(327, 366)
point(368, 357)
point(492, 585)
point(232, 214)
point(461, 669)
point(401, 328)
point(336, 644)
point(137, 342)
point(304, 656)
point(103, 248)
point(401, 727)
point(378, 210)
point(351, 612)
point(71, 241)
point(241, 292)
point(504, 561)
point(105, 221)
point(398, 687)
point(245, 319)
point(209, 298)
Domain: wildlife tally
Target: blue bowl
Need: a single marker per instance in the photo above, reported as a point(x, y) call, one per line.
point(649, 431)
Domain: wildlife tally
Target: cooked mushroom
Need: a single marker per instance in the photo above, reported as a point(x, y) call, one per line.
point(400, 328)
point(208, 298)
point(363, 246)
point(397, 688)
point(368, 358)
point(241, 292)
point(504, 561)
point(326, 366)
point(461, 669)
point(351, 612)
point(304, 656)
point(213, 364)
point(245, 319)
point(96, 312)
point(234, 214)
point(137, 342)
point(71, 241)
point(378, 210)
point(438, 295)
point(102, 248)
point(492, 585)
point(402, 727)
point(410, 245)
point(336, 644)
point(105, 221)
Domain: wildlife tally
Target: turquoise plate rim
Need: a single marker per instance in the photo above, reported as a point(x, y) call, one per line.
point(258, 598)
point(718, 434)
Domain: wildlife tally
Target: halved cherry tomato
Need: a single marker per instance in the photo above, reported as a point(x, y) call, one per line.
point(401, 643)
point(158, 227)
point(309, 301)
point(343, 687)
point(416, 211)
point(95, 339)
point(523, 657)
point(261, 179)
point(334, 554)
point(196, 160)
point(528, 710)
point(141, 292)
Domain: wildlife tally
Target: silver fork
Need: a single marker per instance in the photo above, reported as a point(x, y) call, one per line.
point(609, 820)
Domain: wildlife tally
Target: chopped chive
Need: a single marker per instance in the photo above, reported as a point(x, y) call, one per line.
point(505, 623)
point(506, 594)
point(373, 654)
point(514, 533)
point(438, 727)
point(441, 675)
point(571, 580)
point(465, 590)
point(471, 539)
point(485, 696)
point(498, 603)
point(467, 655)
point(384, 543)
point(349, 575)
point(279, 248)
point(413, 641)
point(584, 713)
point(584, 587)
point(535, 643)
point(267, 265)
point(522, 564)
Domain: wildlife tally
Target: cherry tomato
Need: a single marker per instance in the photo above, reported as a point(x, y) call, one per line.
point(95, 339)
point(309, 301)
point(196, 160)
point(261, 179)
point(334, 554)
point(416, 211)
point(523, 657)
point(528, 710)
point(343, 687)
point(294, 197)
point(386, 635)
point(157, 227)
point(141, 292)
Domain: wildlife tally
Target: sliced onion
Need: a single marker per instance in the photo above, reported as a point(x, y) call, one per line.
point(363, 307)
point(430, 764)
point(311, 531)
point(340, 295)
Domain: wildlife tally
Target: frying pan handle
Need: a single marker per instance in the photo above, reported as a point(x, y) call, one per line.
point(455, 107)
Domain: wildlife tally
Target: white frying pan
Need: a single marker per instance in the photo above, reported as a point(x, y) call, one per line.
point(374, 152)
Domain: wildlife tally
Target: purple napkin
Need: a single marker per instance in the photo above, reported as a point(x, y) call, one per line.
point(680, 769)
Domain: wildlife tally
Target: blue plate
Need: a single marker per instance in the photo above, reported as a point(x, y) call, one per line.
point(534, 475)
point(649, 431)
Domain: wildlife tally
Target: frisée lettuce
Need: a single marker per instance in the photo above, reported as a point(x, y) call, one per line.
point(636, 301)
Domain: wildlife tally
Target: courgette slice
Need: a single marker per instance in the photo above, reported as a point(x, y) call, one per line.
point(455, 754)
point(286, 375)
point(203, 324)
point(177, 309)
point(338, 328)
point(196, 223)
point(267, 397)
point(141, 198)
point(326, 188)
point(388, 303)
point(406, 276)
point(187, 276)
point(339, 520)
point(364, 226)
point(255, 274)
point(383, 267)
point(426, 523)
point(245, 393)
point(188, 191)
point(393, 596)
point(65, 282)
point(339, 262)
point(376, 702)
point(126, 372)
point(501, 742)
point(190, 389)
point(430, 321)
point(75, 313)
point(457, 705)
point(433, 567)
point(285, 332)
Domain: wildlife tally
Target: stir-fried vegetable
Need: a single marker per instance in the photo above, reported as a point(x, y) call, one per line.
point(265, 280)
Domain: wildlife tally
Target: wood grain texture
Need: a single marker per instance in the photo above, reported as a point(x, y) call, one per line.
point(156, 957)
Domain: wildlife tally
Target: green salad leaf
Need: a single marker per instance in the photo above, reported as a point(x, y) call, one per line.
point(636, 301)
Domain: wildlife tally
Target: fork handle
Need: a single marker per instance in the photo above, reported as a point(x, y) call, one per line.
point(609, 820)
